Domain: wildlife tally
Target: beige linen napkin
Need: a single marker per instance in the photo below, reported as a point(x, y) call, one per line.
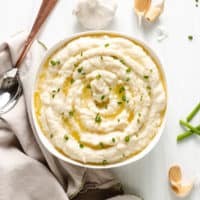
point(27, 170)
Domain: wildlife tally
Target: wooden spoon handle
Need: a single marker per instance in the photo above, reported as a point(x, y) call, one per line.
point(45, 9)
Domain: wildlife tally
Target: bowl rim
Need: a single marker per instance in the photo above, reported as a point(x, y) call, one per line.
point(47, 144)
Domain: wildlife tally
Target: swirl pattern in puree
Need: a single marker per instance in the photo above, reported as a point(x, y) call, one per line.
point(100, 99)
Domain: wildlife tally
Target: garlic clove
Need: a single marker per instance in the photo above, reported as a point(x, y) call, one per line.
point(154, 12)
point(175, 174)
point(183, 190)
point(141, 7)
point(95, 14)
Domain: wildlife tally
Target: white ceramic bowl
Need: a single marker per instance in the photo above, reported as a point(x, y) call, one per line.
point(47, 143)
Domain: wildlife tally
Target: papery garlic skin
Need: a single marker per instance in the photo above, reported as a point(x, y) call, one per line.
point(154, 12)
point(95, 14)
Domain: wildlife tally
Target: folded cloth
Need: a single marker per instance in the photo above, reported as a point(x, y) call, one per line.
point(27, 170)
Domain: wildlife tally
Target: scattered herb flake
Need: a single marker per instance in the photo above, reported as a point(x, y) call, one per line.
point(104, 162)
point(101, 57)
point(119, 102)
point(80, 69)
point(118, 120)
point(88, 86)
point(128, 70)
point(101, 144)
point(75, 65)
point(127, 79)
point(51, 136)
point(53, 62)
point(139, 114)
point(148, 87)
point(113, 140)
point(66, 137)
point(72, 81)
point(190, 37)
point(146, 77)
point(121, 89)
point(102, 97)
point(127, 138)
point(138, 120)
point(107, 45)
point(81, 53)
point(98, 118)
point(141, 97)
point(71, 113)
point(98, 76)
point(81, 146)
point(123, 98)
point(123, 62)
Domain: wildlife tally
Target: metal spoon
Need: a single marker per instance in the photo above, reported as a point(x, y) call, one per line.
point(10, 84)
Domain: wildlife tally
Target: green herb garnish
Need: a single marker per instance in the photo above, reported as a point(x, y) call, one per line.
point(81, 53)
point(107, 45)
point(81, 146)
point(101, 144)
point(119, 102)
point(127, 79)
point(193, 113)
point(121, 89)
point(127, 138)
point(128, 70)
point(53, 62)
point(123, 62)
point(190, 37)
point(80, 69)
point(71, 113)
point(98, 118)
point(146, 77)
point(72, 81)
point(98, 76)
point(102, 97)
point(66, 137)
point(104, 162)
point(113, 140)
point(124, 98)
point(51, 135)
point(88, 86)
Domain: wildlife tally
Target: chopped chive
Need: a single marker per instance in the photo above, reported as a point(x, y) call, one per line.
point(119, 102)
point(88, 86)
point(128, 70)
point(53, 62)
point(118, 120)
point(193, 113)
point(121, 89)
point(80, 69)
point(101, 57)
point(123, 62)
point(127, 79)
point(141, 97)
point(186, 124)
point(72, 81)
point(71, 113)
point(51, 135)
point(123, 98)
point(148, 87)
point(101, 144)
point(186, 134)
point(114, 57)
point(113, 140)
point(98, 76)
point(98, 118)
point(146, 77)
point(151, 70)
point(81, 53)
point(104, 162)
point(127, 138)
point(75, 65)
point(107, 45)
point(138, 120)
point(81, 146)
point(66, 137)
point(102, 97)
point(139, 114)
point(190, 37)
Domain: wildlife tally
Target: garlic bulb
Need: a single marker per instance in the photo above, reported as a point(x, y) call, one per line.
point(95, 14)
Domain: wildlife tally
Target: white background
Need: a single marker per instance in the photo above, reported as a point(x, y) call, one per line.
point(181, 61)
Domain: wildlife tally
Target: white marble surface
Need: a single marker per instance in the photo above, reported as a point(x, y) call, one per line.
point(181, 61)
